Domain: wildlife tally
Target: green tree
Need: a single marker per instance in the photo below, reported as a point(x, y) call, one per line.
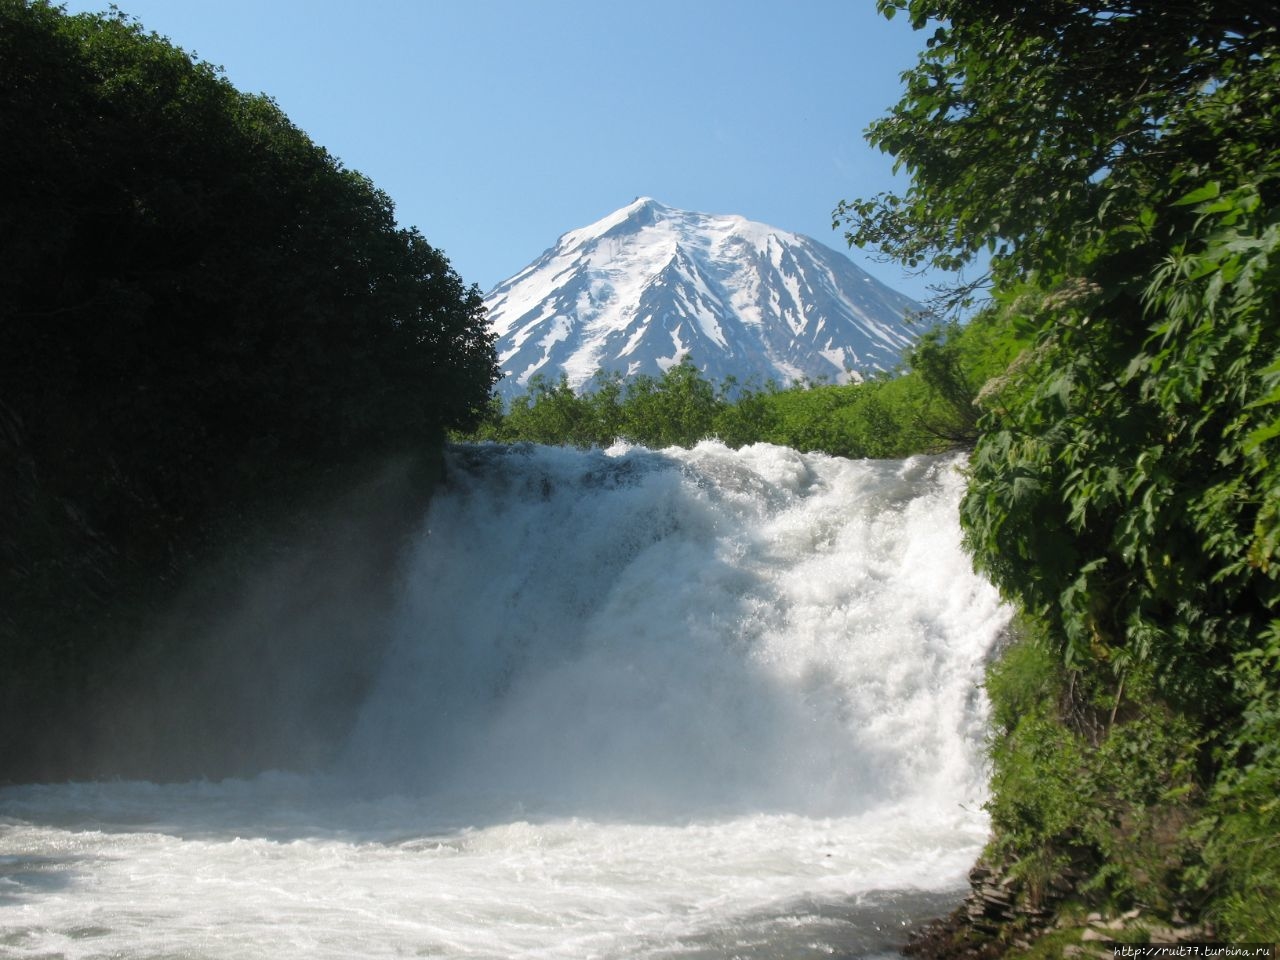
point(1026, 122)
point(604, 398)
point(678, 408)
point(1117, 159)
point(747, 413)
point(551, 413)
point(203, 313)
point(193, 289)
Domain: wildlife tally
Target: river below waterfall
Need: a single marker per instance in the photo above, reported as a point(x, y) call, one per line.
point(634, 704)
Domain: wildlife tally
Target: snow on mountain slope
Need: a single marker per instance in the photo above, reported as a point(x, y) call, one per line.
point(648, 284)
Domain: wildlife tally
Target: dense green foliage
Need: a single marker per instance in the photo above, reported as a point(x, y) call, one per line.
point(678, 408)
point(1094, 781)
point(1119, 160)
point(927, 406)
point(203, 312)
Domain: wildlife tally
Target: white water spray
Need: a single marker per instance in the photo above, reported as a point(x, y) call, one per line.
point(637, 704)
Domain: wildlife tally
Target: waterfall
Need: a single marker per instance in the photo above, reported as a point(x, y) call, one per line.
point(703, 703)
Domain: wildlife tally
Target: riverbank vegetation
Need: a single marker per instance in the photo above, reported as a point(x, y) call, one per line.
point(925, 406)
point(1118, 161)
point(207, 318)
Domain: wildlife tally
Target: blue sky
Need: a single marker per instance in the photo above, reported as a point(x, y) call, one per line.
point(497, 125)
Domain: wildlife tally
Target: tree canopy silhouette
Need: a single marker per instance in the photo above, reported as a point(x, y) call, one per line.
point(200, 310)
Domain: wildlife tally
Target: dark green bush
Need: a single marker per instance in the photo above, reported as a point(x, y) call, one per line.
point(204, 315)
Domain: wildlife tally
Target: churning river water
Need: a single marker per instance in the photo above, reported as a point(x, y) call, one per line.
point(635, 704)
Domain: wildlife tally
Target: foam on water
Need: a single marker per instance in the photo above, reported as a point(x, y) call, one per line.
point(637, 704)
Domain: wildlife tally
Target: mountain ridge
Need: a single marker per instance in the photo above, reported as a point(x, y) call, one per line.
point(648, 284)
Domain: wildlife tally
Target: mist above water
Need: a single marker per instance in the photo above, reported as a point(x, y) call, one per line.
point(630, 703)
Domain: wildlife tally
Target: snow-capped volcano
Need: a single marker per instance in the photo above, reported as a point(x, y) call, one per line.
point(648, 284)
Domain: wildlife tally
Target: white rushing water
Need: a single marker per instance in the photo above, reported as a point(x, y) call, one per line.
point(679, 704)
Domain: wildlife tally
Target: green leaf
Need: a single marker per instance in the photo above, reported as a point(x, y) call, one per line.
point(1207, 192)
